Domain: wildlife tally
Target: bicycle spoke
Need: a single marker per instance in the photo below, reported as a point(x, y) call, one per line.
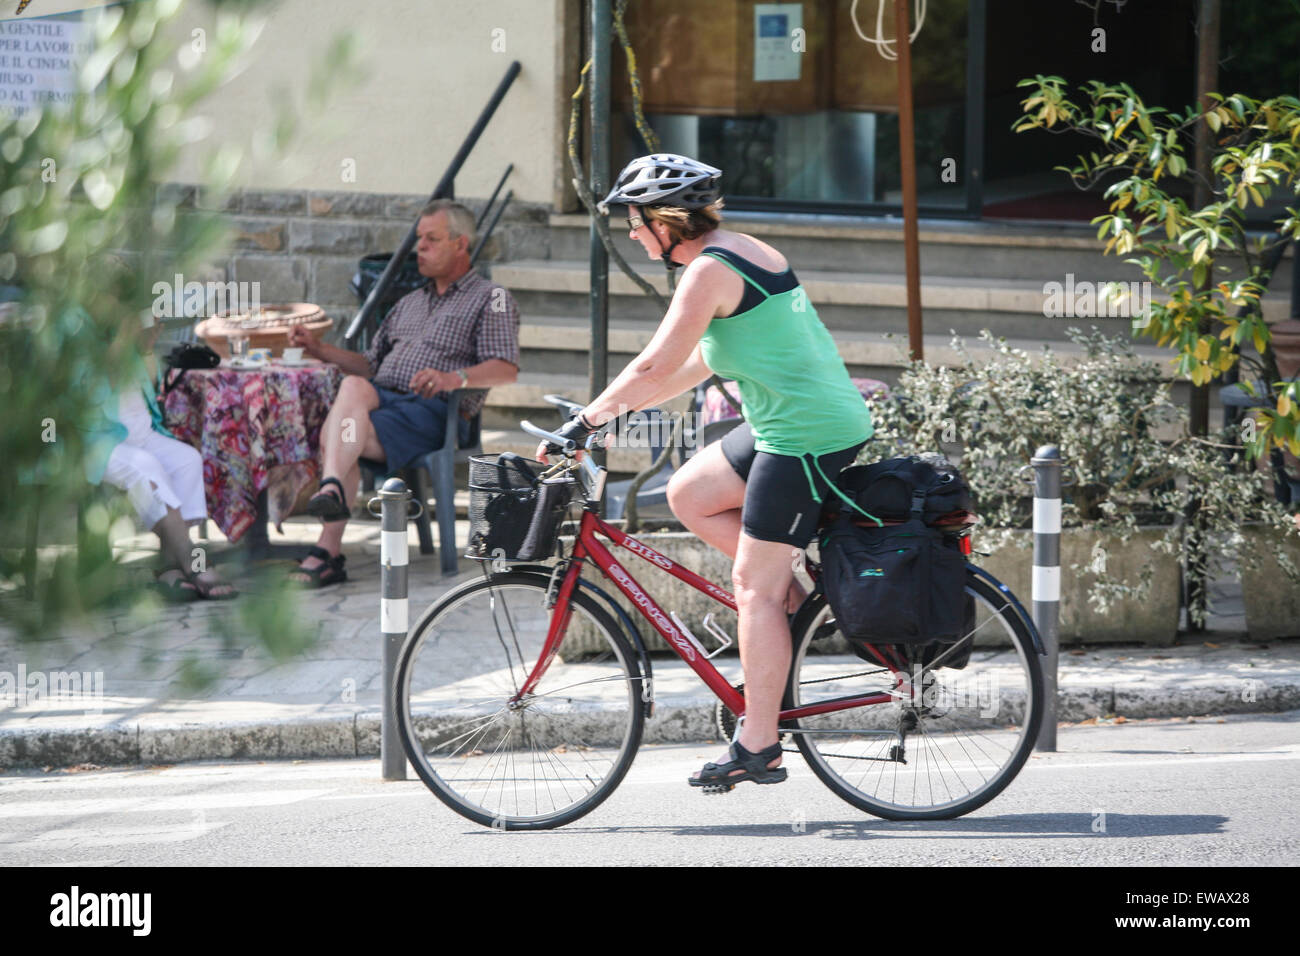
point(550, 756)
point(964, 732)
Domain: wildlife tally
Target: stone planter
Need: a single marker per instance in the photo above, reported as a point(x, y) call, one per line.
point(1150, 621)
point(1153, 620)
point(1271, 599)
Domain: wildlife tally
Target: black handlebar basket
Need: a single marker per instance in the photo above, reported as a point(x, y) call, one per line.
point(513, 514)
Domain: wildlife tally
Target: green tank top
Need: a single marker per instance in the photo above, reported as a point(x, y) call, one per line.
point(795, 392)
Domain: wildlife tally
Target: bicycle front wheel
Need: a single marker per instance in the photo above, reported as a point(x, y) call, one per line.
point(510, 762)
point(949, 745)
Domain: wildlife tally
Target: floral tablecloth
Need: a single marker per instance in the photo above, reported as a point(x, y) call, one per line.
point(258, 431)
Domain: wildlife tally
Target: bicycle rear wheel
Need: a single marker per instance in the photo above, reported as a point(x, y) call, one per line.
point(938, 753)
point(536, 763)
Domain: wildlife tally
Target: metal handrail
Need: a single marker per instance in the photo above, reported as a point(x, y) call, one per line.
point(442, 191)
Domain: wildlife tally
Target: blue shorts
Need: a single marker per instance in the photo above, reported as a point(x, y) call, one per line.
point(410, 426)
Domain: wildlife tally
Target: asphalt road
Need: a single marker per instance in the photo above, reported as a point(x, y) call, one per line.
point(1214, 792)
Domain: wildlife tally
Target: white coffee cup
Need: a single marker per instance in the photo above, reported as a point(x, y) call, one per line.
point(293, 355)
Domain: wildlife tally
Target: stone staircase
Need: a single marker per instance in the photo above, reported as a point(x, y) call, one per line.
point(974, 276)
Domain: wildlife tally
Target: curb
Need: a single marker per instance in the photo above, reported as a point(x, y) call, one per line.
point(676, 720)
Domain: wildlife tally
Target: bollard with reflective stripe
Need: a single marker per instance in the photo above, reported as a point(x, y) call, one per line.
point(1047, 578)
point(393, 604)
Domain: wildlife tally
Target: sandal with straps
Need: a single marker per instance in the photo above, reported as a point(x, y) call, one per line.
point(329, 571)
point(329, 507)
point(207, 589)
point(179, 590)
point(719, 778)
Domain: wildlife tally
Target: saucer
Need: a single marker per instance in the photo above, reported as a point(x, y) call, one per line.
point(245, 365)
point(301, 363)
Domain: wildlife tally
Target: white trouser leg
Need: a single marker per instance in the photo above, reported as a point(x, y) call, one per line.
point(184, 468)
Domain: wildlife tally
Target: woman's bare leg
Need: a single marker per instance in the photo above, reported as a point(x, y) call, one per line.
point(707, 495)
point(761, 578)
point(177, 551)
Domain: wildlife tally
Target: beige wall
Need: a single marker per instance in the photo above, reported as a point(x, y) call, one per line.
point(429, 67)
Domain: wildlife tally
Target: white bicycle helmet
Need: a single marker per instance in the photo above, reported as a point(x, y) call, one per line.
point(665, 179)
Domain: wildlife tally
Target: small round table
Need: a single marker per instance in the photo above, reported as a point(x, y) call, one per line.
point(258, 431)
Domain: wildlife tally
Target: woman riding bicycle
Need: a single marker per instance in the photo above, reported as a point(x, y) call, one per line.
point(738, 311)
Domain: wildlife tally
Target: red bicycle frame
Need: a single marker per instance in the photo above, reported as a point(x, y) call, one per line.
point(587, 547)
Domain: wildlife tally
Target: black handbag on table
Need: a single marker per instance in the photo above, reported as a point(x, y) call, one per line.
point(186, 356)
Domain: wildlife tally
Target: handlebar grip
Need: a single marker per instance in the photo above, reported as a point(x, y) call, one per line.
point(567, 444)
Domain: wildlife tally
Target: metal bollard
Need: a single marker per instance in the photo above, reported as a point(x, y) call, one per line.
point(393, 607)
point(1047, 578)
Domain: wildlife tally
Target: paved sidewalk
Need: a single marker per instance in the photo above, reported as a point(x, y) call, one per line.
point(327, 703)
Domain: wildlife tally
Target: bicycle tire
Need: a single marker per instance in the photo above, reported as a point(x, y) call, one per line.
point(849, 750)
point(577, 733)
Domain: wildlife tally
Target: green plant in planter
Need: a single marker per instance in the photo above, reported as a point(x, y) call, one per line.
point(1128, 448)
point(1256, 148)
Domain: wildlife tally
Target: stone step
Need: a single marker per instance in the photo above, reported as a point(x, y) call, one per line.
point(555, 345)
point(507, 405)
point(621, 462)
point(562, 344)
point(1012, 250)
point(845, 301)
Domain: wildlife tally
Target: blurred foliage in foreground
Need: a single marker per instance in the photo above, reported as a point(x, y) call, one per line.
point(82, 190)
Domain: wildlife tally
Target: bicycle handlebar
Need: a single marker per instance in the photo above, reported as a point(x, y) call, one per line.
point(593, 474)
point(567, 405)
point(567, 445)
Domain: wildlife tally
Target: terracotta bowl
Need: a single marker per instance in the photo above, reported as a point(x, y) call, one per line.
point(268, 328)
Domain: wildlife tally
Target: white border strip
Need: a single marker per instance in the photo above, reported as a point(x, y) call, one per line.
point(393, 549)
point(393, 615)
point(1047, 584)
point(1047, 515)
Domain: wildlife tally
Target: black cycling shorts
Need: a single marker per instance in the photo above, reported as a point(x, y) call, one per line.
point(779, 504)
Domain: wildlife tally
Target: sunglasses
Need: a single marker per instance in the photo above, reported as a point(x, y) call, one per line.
point(635, 222)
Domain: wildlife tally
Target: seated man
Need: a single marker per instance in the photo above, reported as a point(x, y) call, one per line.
point(459, 331)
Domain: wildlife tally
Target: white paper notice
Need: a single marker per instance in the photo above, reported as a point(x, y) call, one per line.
point(775, 56)
point(39, 61)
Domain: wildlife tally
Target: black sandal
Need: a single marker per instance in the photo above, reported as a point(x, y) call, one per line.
point(330, 571)
point(718, 778)
point(179, 591)
point(329, 507)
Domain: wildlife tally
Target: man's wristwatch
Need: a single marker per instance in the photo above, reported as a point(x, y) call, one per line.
point(464, 379)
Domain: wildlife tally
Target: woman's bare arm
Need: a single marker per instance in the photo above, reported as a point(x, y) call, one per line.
point(671, 362)
point(684, 379)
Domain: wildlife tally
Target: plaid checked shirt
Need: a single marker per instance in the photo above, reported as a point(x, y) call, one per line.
point(473, 321)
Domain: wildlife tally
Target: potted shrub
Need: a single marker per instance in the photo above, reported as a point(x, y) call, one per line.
point(1132, 463)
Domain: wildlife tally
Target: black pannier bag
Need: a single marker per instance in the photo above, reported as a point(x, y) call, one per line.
point(900, 586)
point(514, 515)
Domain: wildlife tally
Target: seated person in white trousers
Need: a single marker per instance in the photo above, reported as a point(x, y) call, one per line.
point(163, 478)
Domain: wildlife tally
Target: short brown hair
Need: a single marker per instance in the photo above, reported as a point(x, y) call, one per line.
point(685, 224)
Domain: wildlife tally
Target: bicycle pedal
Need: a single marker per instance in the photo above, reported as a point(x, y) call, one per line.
point(717, 788)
